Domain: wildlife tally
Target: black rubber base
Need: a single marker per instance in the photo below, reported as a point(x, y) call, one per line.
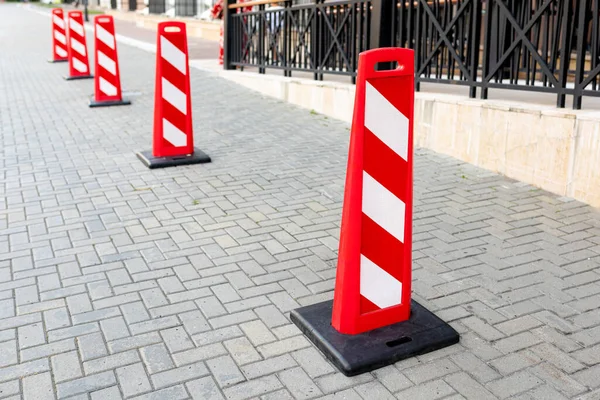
point(57, 61)
point(123, 102)
point(355, 354)
point(198, 157)
point(74, 78)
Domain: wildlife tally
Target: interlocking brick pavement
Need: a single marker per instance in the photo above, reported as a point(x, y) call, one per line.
point(121, 282)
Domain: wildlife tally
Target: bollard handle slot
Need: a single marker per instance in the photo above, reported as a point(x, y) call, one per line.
point(103, 20)
point(171, 27)
point(388, 66)
point(401, 60)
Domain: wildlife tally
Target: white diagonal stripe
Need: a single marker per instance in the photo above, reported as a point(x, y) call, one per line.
point(172, 54)
point(383, 207)
point(105, 37)
point(379, 287)
point(173, 135)
point(173, 95)
point(76, 26)
point(79, 66)
point(61, 52)
point(60, 37)
point(78, 47)
point(105, 62)
point(386, 122)
point(58, 21)
point(107, 88)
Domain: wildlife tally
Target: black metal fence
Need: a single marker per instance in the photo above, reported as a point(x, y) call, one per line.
point(180, 8)
point(536, 45)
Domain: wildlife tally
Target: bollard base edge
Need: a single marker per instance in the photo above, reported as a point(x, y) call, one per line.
point(197, 157)
point(422, 333)
point(74, 78)
point(57, 61)
point(123, 102)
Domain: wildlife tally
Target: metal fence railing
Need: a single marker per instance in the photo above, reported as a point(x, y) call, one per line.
point(534, 45)
point(181, 8)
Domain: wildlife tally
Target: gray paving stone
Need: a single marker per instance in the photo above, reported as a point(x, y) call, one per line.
point(337, 381)
point(91, 346)
point(31, 335)
point(194, 322)
point(156, 358)
point(153, 298)
point(299, 383)
point(111, 393)
point(111, 362)
point(257, 332)
point(199, 354)
point(266, 367)
point(429, 371)
point(7, 308)
point(38, 387)
point(468, 387)
point(242, 351)
point(8, 352)
point(514, 384)
point(177, 339)
point(133, 342)
point(204, 389)
point(78, 330)
point(79, 303)
point(431, 390)
point(66, 366)
point(47, 350)
point(475, 367)
point(9, 388)
point(252, 388)
point(283, 346)
point(225, 371)
point(133, 380)
point(558, 379)
point(178, 375)
point(153, 325)
point(87, 384)
point(114, 328)
point(56, 318)
point(271, 316)
point(374, 390)
point(175, 393)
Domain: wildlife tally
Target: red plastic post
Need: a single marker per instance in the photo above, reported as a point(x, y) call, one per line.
point(107, 81)
point(173, 133)
point(373, 282)
point(79, 65)
point(59, 36)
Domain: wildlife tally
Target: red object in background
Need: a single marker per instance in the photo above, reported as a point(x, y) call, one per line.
point(217, 12)
point(173, 134)
point(59, 36)
point(373, 282)
point(107, 82)
point(79, 66)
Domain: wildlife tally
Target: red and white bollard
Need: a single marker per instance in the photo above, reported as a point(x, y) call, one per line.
point(59, 37)
point(107, 82)
point(372, 321)
point(79, 65)
point(173, 140)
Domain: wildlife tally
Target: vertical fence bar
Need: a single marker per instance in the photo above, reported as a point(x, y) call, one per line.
point(580, 11)
point(381, 25)
point(228, 33)
point(475, 38)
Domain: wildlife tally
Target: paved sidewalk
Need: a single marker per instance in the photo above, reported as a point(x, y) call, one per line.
point(121, 282)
